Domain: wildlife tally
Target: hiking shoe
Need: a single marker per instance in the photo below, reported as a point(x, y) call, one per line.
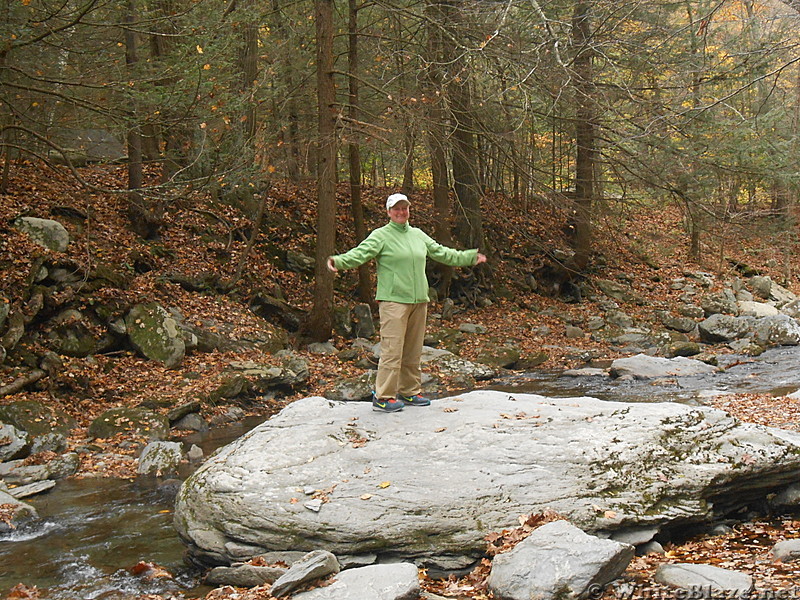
point(415, 400)
point(386, 404)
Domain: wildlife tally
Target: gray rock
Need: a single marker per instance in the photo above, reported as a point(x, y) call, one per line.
point(780, 295)
point(789, 496)
point(45, 232)
point(299, 262)
point(5, 308)
point(155, 334)
point(191, 422)
point(780, 330)
point(724, 328)
point(619, 319)
point(786, 550)
point(557, 561)
point(32, 489)
point(746, 346)
point(363, 324)
point(63, 466)
point(594, 323)
point(471, 328)
point(243, 575)
point(682, 324)
point(55, 441)
point(573, 333)
point(642, 366)
point(792, 308)
point(451, 364)
point(15, 512)
point(604, 465)
point(59, 468)
point(160, 458)
point(690, 310)
point(756, 309)
point(314, 565)
point(650, 548)
point(682, 348)
point(13, 443)
point(376, 582)
point(585, 372)
point(720, 303)
point(178, 412)
point(358, 389)
point(617, 291)
point(195, 454)
point(448, 309)
point(761, 286)
point(322, 348)
point(706, 579)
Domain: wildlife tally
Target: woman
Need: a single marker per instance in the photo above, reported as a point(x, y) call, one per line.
point(400, 251)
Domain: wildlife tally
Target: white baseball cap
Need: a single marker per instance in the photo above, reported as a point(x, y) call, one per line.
point(394, 199)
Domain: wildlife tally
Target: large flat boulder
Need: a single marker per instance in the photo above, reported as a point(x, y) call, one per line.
point(430, 483)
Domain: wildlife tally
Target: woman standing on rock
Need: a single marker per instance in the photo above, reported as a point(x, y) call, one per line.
point(400, 251)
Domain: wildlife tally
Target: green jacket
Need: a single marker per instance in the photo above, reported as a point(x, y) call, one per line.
point(400, 251)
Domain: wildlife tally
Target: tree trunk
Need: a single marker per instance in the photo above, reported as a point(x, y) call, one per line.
point(584, 134)
point(468, 221)
point(145, 215)
point(436, 137)
point(289, 135)
point(248, 65)
point(320, 322)
point(354, 154)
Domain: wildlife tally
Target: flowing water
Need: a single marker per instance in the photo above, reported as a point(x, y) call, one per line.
point(92, 531)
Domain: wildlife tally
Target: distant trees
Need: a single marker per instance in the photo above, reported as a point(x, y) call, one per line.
point(564, 105)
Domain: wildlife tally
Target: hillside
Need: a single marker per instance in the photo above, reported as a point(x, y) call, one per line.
point(641, 244)
point(191, 266)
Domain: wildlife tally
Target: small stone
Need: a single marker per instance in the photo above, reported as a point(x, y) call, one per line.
point(315, 504)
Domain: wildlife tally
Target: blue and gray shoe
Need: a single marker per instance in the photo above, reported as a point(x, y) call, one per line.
point(415, 400)
point(386, 404)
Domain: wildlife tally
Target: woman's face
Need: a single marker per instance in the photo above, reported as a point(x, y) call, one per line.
point(399, 213)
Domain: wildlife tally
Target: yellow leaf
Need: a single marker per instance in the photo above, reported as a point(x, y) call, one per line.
point(366, 496)
point(384, 484)
point(206, 67)
point(199, 49)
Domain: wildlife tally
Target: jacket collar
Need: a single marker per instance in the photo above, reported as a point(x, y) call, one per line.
point(396, 226)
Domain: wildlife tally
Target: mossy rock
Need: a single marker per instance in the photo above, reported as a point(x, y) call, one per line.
point(36, 418)
point(138, 421)
point(499, 356)
point(155, 334)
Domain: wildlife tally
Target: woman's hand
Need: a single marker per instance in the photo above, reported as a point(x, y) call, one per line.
point(481, 258)
point(332, 265)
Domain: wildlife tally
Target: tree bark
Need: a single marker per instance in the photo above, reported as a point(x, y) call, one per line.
point(584, 134)
point(320, 323)
point(354, 154)
point(436, 139)
point(145, 215)
point(468, 219)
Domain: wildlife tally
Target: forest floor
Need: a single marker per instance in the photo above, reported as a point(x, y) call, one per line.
point(635, 241)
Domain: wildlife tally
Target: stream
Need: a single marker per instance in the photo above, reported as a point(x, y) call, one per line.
point(92, 531)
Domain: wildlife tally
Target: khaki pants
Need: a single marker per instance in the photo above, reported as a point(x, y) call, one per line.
point(402, 336)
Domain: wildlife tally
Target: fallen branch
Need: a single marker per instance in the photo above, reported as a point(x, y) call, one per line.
point(21, 382)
